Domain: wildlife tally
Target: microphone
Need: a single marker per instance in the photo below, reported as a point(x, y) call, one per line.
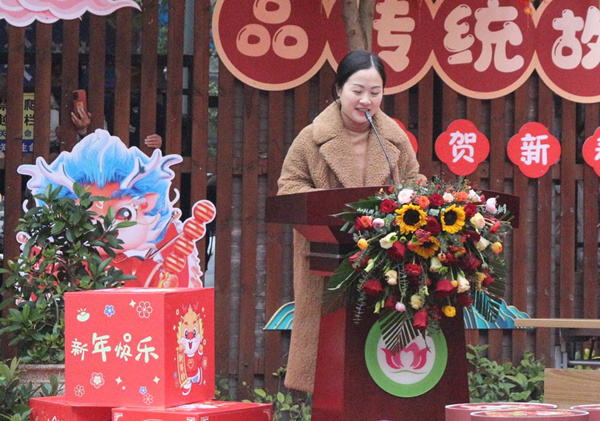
point(387, 157)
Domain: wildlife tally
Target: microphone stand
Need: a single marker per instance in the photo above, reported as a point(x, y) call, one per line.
point(387, 157)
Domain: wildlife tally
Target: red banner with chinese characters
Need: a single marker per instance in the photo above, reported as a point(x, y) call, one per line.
point(481, 48)
point(534, 150)
point(462, 147)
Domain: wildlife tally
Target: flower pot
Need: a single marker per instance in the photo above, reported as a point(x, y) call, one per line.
point(39, 374)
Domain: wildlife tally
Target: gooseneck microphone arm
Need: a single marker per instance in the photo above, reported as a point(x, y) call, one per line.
point(387, 157)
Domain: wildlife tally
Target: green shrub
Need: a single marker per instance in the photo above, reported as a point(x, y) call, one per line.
point(14, 395)
point(493, 382)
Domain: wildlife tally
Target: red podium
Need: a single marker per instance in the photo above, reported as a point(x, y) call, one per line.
point(344, 389)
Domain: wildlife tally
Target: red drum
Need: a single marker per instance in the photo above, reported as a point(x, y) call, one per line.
point(463, 411)
point(594, 410)
point(531, 415)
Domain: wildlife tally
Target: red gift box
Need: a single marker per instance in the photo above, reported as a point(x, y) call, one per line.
point(140, 346)
point(200, 411)
point(56, 408)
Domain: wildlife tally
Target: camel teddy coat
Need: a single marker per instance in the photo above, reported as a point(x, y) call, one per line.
point(322, 157)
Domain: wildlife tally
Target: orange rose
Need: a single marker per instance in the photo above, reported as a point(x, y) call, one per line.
point(462, 196)
point(423, 202)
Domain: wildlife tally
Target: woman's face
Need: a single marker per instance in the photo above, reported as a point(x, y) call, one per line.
point(363, 91)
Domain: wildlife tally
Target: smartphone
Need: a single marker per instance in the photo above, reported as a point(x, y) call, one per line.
point(80, 100)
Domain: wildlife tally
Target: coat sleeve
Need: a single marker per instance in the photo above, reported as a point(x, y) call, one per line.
point(295, 173)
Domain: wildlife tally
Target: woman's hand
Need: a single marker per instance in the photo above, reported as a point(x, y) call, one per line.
point(153, 141)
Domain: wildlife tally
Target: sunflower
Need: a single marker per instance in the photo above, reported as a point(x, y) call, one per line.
point(410, 217)
point(453, 219)
point(426, 249)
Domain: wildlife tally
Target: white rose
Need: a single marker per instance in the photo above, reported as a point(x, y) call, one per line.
point(405, 195)
point(482, 244)
point(387, 241)
point(490, 206)
point(478, 221)
point(474, 197)
point(416, 302)
point(391, 277)
point(463, 284)
point(448, 197)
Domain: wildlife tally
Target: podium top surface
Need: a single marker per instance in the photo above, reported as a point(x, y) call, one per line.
point(559, 323)
point(316, 207)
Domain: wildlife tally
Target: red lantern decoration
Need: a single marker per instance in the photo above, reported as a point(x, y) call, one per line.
point(193, 230)
point(184, 246)
point(204, 211)
point(175, 263)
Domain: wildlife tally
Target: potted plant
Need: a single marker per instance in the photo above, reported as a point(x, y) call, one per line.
point(62, 243)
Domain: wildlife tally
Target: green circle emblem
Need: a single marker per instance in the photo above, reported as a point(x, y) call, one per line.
point(411, 372)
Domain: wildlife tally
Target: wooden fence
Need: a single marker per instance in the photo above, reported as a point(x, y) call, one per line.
point(554, 254)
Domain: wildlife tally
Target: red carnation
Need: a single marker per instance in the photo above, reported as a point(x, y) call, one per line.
point(464, 300)
point(469, 262)
point(388, 206)
point(358, 260)
point(436, 200)
point(420, 321)
point(433, 226)
point(470, 210)
point(412, 270)
point(397, 251)
point(363, 222)
point(372, 287)
point(444, 288)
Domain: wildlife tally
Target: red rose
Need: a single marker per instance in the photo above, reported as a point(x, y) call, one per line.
point(364, 222)
point(494, 228)
point(474, 236)
point(390, 302)
point(436, 200)
point(420, 321)
point(470, 210)
point(444, 288)
point(469, 263)
point(388, 206)
point(433, 225)
point(372, 287)
point(358, 260)
point(397, 251)
point(464, 300)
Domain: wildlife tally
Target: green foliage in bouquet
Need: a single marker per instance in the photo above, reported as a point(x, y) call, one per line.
point(61, 254)
point(422, 250)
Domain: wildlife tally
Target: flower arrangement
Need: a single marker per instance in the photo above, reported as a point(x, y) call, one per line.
point(422, 250)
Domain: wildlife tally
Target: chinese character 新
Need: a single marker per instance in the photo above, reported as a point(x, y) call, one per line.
point(78, 348)
point(533, 150)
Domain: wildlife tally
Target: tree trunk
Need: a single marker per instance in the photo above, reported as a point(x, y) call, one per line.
point(366, 12)
point(354, 32)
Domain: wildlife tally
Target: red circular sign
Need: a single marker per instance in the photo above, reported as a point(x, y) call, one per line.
point(591, 151)
point(483, 49)
point(270, 44)
point(462, 147)
point(534, 150)
point(566, 48)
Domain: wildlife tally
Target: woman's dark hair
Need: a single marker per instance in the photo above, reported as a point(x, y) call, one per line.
point(352, 63)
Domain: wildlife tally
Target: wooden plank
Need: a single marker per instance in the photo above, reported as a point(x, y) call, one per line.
point(97, 65)
point(521, 259)
point(543, 235)
point(591, 275)
point(402, 107)
point(70, 82)
point(274, 288)
point(568, 191)
point(13, 154)
point(122, 99)
point(425, 127)
point(247, 306)
point(226, 134)
point(43, 80)
point(149, 73)
point(570, 387)
point(199, 109)
point(474, 107)
point(326, 82)
point(449, 101)
point(14, 133)
point(175, 82)
point(302, 114)
point(559, 323)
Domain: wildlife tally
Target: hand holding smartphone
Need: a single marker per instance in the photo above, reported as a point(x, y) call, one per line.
point(79, 100)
